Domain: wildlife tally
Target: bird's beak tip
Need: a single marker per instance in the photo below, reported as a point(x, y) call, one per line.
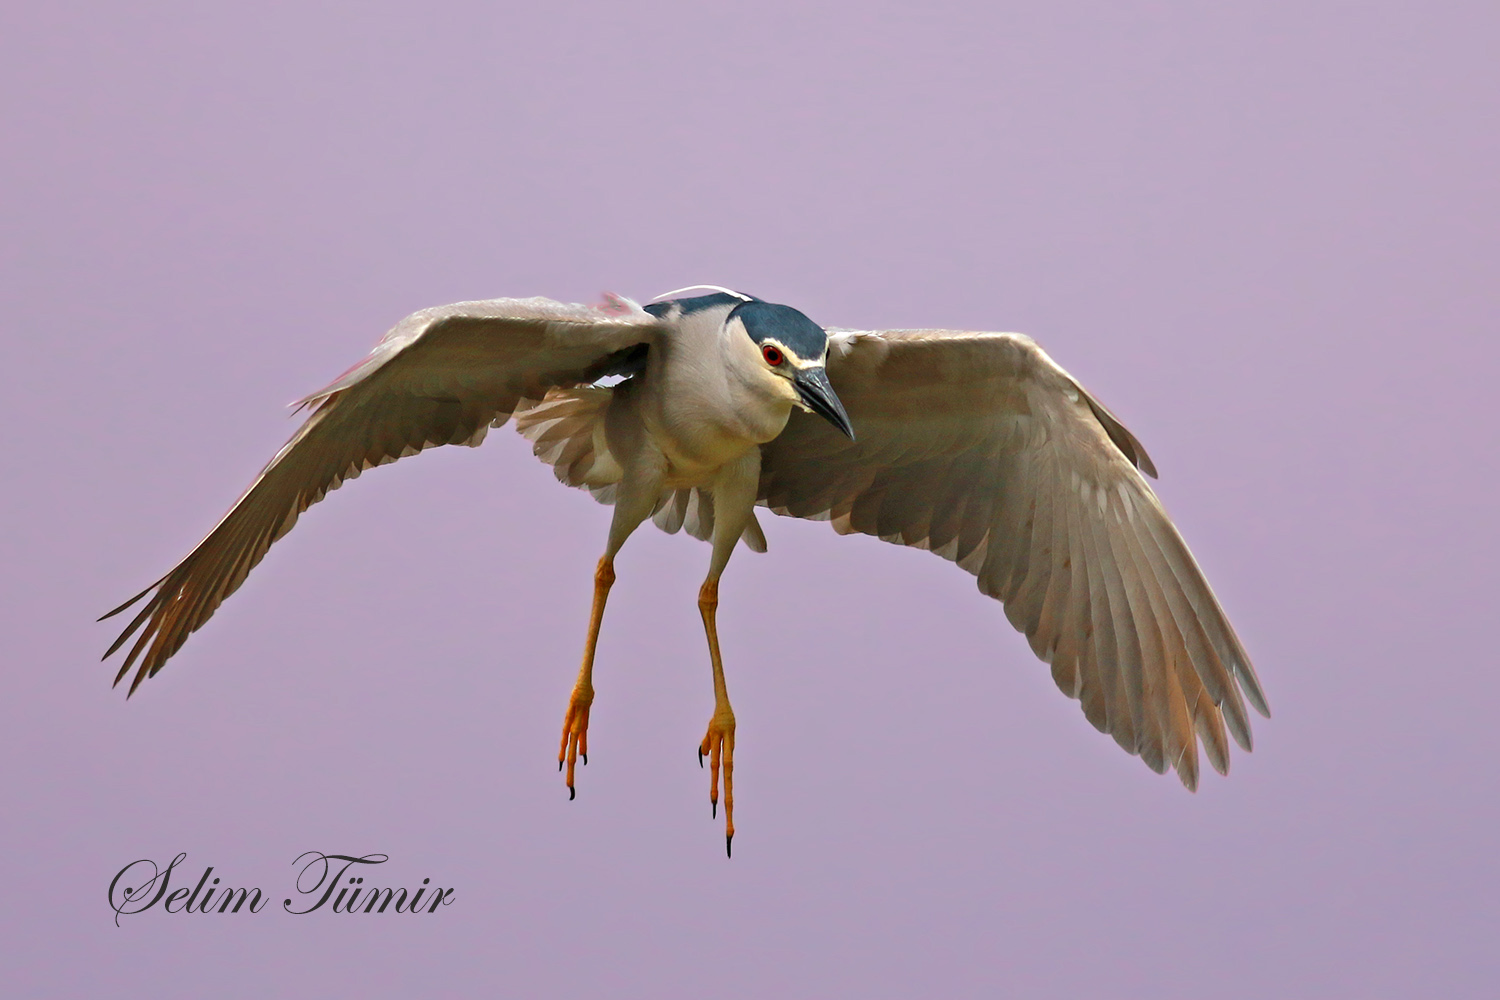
point(817, 396)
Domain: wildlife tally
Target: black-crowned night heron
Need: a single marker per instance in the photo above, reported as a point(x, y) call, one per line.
point(974, 445)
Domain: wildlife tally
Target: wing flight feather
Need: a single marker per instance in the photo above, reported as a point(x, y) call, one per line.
point(441, 376)
point(981, 448)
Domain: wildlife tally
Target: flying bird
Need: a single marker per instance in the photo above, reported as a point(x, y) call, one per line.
point(695, 409)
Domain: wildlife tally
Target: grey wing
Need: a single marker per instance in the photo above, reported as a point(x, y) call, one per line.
point(440, 376)
point(979, 447)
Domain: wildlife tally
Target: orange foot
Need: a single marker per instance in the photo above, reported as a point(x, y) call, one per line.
point(718, 747)
point(575, 732)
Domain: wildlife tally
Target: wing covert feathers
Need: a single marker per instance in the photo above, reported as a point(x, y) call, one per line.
point(979, 447)
point(441, 376)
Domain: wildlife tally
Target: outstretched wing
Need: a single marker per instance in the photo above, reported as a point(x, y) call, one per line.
point(979, 447)
point(441, 376)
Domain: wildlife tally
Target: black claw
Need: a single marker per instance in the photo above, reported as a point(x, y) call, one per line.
point(728, 845)
point(571, 793)
point(585, 758)
point(700, 759)
point(559, 766)
point(714, 807)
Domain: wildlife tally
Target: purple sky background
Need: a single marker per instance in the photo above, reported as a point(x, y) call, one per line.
point(1267, 237)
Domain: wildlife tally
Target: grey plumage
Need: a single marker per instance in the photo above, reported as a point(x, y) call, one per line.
point(979, 447)
point(976, 446)
point(441, 376)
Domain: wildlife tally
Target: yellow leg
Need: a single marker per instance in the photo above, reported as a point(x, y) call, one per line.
point(575, 731)
point(718, 744)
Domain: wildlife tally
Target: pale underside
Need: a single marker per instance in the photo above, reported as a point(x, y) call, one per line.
point(973, 445)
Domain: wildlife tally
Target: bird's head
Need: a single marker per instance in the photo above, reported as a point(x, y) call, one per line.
point(792, 347)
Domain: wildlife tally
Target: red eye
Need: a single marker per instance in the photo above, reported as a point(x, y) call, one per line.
point(771, 354)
